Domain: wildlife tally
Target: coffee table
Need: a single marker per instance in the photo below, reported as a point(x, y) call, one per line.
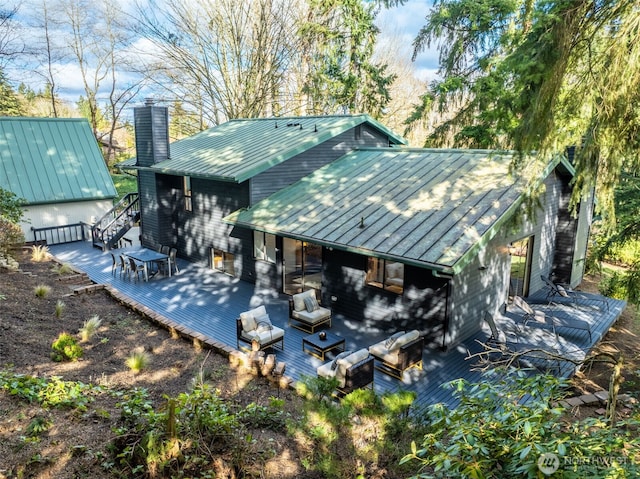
point(317, 347)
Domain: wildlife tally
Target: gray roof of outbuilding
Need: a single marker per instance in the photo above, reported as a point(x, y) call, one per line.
point(52, 160)
point(240, 149)
point(427, 207)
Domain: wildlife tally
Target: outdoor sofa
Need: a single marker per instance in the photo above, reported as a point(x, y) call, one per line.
point(399, 352)
point(352, 369)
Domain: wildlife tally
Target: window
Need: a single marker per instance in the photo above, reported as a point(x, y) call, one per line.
point(186, 189)
point(264, 246)
point(223, 261)
point(384, 274)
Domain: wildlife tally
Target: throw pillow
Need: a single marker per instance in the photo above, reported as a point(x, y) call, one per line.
point(263, 323)
point(392, 339)
point(311, 304)
point(562, 291)
point(248, 321)
point(334, 363)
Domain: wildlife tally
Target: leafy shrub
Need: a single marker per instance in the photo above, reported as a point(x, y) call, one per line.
point(90, 327)
point(48, 392)
point(506, 423)
point(42, 290)
point(66, 348)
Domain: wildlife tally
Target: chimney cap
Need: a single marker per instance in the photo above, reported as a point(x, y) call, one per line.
point(149, 101)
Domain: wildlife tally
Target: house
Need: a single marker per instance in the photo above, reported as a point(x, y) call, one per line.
point(55, 165)
point(392, 237)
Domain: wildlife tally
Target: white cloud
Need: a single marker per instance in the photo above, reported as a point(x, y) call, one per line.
point(400, 25)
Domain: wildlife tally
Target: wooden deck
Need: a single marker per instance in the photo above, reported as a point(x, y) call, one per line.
point(208, 302)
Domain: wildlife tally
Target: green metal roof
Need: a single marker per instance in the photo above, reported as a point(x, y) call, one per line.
point(427, 207)
point(240, 149)
point(52, 160)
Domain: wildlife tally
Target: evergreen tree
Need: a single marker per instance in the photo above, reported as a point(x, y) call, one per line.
point(9, 102)
point(540, 76)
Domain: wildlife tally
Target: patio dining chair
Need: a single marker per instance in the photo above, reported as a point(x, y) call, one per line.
point(173, 252)
point(535, 317)
point(114, 264)
point(124, 266)
point(137, 269)
point(575, 298)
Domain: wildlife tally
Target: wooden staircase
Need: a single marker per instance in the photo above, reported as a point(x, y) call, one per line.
point(109, 231)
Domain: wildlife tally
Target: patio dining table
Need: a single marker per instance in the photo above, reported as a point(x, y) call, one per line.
point(148, 256)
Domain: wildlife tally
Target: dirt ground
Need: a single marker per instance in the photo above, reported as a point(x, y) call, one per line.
point(76, 444)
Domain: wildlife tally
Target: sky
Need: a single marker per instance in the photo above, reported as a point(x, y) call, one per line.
point(398, 25)
point(403, 23)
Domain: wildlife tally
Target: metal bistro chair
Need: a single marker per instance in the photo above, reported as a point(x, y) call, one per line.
point(124, 266)
point(173, 252)
point(137, 269)
point(114, 264)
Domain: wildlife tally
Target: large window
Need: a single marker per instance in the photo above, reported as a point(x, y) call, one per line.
point(384, 274)
point(302, 266)
point(223, 261)
point(186, 189)
point(264, 246)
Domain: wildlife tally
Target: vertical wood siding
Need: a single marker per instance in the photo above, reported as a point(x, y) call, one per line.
point(292, 170)
point(422, 306)
point(566, 236)
point(483, 284)
point(148, 193)
point(152, 134)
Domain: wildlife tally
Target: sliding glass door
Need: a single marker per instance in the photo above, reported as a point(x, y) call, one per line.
point(302, 266)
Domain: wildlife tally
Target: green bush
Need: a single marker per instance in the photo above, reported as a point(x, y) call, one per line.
point(508, 422)
point(66, 348)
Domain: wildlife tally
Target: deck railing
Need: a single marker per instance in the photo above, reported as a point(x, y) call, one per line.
point(61, 234)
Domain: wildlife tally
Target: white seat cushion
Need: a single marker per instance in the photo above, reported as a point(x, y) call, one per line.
point(327, 371)
point(264, 336)
point(312, 317)
point(381, 352)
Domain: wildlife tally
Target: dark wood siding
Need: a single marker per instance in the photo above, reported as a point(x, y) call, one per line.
point(152, 134)
point(287, 173)
point(147, 191)
point(422, 306)
point(565, 237)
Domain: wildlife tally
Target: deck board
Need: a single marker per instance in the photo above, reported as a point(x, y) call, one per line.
point(208, 303)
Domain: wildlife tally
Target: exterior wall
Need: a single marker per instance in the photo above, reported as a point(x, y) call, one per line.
point(149, 208)
point(422, 305)
point(59, 214)
point(582, 240)
point(290, 171)
point(483, 285)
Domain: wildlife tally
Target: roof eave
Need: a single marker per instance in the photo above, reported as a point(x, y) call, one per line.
point(438, 268)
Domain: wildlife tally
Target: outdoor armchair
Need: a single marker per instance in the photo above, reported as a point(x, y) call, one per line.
point(254, 327)
point(306, 314)
point(353, 370)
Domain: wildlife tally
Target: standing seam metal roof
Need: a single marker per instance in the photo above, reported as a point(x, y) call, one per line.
point(52, 160)
point(240, 149)
point(420, 206)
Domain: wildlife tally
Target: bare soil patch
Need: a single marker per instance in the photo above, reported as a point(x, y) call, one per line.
point(76, 443)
